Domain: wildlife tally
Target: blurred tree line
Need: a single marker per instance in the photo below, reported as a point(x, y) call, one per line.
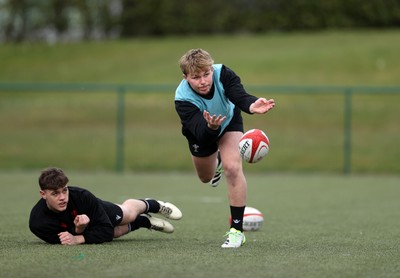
point(57, 20)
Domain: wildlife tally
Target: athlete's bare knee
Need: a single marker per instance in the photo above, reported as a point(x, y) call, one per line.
point(232, 171)
point(131, 209)
point(205, 179)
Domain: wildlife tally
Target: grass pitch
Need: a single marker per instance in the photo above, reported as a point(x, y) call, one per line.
point(315, 226)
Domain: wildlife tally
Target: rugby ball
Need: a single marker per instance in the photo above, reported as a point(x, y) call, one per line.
point(252, 219)
point(253, 145)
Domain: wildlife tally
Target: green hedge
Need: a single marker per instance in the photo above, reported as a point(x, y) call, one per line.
point(88, 19)
point(154, 17)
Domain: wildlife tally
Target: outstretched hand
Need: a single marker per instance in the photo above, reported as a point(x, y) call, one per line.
point(262, 105)
point(214, 121)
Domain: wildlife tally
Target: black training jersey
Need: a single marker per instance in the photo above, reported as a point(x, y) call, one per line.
point(47, 224)
point(192, 118)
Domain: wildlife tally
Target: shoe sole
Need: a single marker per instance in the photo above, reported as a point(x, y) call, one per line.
point(159, 225)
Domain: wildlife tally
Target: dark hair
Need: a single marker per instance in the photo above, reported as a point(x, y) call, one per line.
point(52, 178)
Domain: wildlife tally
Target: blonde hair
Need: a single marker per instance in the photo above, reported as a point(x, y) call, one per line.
point(195, 60)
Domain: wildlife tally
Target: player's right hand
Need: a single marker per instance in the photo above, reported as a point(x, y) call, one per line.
point(67, 238)
point(214, 121)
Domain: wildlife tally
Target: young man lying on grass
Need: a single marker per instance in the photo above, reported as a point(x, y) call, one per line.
point(71, 215)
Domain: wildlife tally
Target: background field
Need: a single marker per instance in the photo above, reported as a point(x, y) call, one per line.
point(77, 130)
point(318, 58)
point(318, 223)
point(315, 226)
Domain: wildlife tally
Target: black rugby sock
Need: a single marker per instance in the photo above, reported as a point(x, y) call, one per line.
point(140, 222)
point(152, 205)
point(237, 218)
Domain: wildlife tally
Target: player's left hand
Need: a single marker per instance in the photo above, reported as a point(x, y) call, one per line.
point(81, 221)
point(262, 105)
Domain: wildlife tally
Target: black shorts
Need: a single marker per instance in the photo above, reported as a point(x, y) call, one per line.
point(204, 149)
point(113, 211)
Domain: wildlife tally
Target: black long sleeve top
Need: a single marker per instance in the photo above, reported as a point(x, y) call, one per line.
point(47, 224)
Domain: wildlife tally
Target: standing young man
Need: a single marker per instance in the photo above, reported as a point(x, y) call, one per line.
point(71, 215)
point(209, 101)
